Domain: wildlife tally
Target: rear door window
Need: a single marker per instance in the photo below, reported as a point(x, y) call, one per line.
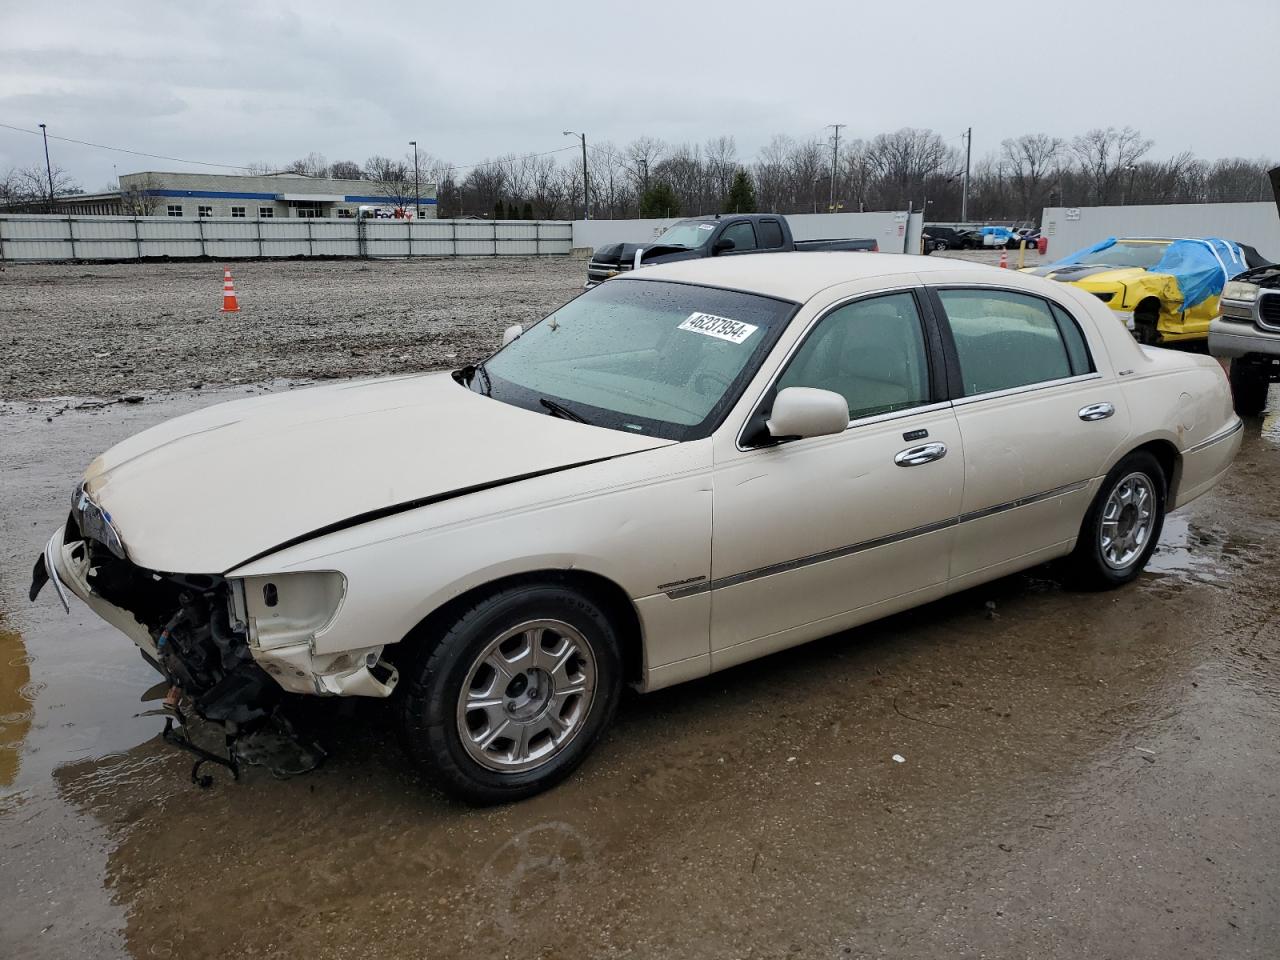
point(770, 233)
point(1005, 339)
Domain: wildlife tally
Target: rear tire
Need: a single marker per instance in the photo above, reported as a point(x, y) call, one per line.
point(541, 697)
point(1120, 531)
point(1248, 388)
point(1146, 325)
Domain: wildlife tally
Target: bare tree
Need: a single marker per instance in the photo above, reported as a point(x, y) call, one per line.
point(1106, 153)
point(642, 155)
point(1030, 159)
point(312, 165)
point(345, 170)
point(393, 179)
point(139, 199)
point(721, 163)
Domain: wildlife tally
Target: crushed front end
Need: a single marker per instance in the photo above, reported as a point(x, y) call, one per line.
point(186, 625)
point(234, 657)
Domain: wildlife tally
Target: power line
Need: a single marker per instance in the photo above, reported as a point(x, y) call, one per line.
point(238, 166)
point(136, 153)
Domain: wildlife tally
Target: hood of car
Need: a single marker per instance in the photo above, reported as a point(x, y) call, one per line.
point(1094, 273)
point(204, 492)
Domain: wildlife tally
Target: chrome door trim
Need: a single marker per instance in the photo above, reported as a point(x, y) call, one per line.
point(1028, 388)
point(835, 553)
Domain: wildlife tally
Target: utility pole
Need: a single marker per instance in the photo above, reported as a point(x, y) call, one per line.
point(835, 156)
point(964, 194)
point(586, 187)
point(417, 194)
point(48, 167)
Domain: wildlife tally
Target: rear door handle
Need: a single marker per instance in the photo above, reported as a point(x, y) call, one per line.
point(1097, 411)
point(925, 453)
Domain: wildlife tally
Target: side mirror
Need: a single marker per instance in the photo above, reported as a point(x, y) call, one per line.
point(723, 244)
point(807, 412)
point(511, 333)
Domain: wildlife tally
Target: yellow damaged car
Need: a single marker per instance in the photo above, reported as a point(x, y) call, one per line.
point(1164, 289)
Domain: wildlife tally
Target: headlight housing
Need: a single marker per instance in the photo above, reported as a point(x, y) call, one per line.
point(1240, 290)
point(288, 608)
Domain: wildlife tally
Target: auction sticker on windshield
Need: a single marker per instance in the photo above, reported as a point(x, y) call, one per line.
point(721, 328)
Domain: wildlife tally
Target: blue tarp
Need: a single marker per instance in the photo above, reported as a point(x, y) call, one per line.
point(1201, 267)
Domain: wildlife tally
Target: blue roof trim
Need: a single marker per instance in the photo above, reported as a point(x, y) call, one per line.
point(425, 201)
point(210, 194)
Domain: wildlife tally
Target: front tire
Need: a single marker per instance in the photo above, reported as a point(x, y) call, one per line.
point(1120, 531)
point(1248, 388)
point(514, 694)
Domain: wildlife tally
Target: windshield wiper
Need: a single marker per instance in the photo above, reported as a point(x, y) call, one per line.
point(560, 410)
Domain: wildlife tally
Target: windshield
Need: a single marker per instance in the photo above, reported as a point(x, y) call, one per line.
point(650, 357)
point(687, 233)
point(1125, 253)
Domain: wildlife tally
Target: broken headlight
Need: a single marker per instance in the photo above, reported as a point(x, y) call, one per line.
point(287, 608)
point(95, 523)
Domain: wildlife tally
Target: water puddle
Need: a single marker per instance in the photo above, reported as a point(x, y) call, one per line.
point(17, 697)
point(1190, 552)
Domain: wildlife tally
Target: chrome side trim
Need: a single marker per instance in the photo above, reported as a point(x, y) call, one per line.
point(1223, 434)
point(836, 553)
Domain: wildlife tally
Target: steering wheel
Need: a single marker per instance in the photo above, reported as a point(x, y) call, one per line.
point(715, 378)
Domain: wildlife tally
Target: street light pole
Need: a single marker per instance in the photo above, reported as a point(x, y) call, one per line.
point(586, 186)
point(964, 193)
point(48, 167)
point(417, 195)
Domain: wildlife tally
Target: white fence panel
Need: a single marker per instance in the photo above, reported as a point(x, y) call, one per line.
point(51, 237)
point(1069, 229)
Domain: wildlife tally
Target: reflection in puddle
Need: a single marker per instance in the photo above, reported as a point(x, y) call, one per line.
point(1271, 425)
point(1191, 553)
point(17, 694)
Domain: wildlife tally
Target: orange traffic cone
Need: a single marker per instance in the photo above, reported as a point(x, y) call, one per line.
point(229, 302)
point(1004, 262)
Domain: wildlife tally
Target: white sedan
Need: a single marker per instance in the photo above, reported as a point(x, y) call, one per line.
point(683, 469)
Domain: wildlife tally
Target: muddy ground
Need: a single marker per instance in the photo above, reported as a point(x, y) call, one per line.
point(1082, 775)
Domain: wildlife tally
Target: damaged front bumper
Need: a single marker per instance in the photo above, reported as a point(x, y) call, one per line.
point(288, 658)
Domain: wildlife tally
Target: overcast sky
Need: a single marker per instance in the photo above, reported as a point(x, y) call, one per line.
point(235, 83)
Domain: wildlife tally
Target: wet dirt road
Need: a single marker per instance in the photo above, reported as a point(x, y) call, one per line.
point(1083, 776)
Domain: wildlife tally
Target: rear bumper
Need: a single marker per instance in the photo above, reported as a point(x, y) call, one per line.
point(1231, 340)
point(1205, 463)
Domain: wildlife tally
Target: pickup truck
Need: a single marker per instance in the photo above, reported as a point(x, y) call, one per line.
point(1247, 333)
point(722, 235)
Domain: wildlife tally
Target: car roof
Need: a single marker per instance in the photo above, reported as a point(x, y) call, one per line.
point(795, 276)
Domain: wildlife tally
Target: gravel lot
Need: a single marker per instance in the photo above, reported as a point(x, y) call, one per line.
point(112, 330)
point(106, 330)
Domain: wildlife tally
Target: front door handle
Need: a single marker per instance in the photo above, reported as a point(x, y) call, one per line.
point(1096, 411)
point(925, 453)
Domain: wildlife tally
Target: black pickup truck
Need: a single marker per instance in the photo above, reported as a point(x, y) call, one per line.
point(723, 235)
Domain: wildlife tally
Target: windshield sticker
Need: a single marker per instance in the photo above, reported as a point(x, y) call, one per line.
point(722, 328)
point(706, 226)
